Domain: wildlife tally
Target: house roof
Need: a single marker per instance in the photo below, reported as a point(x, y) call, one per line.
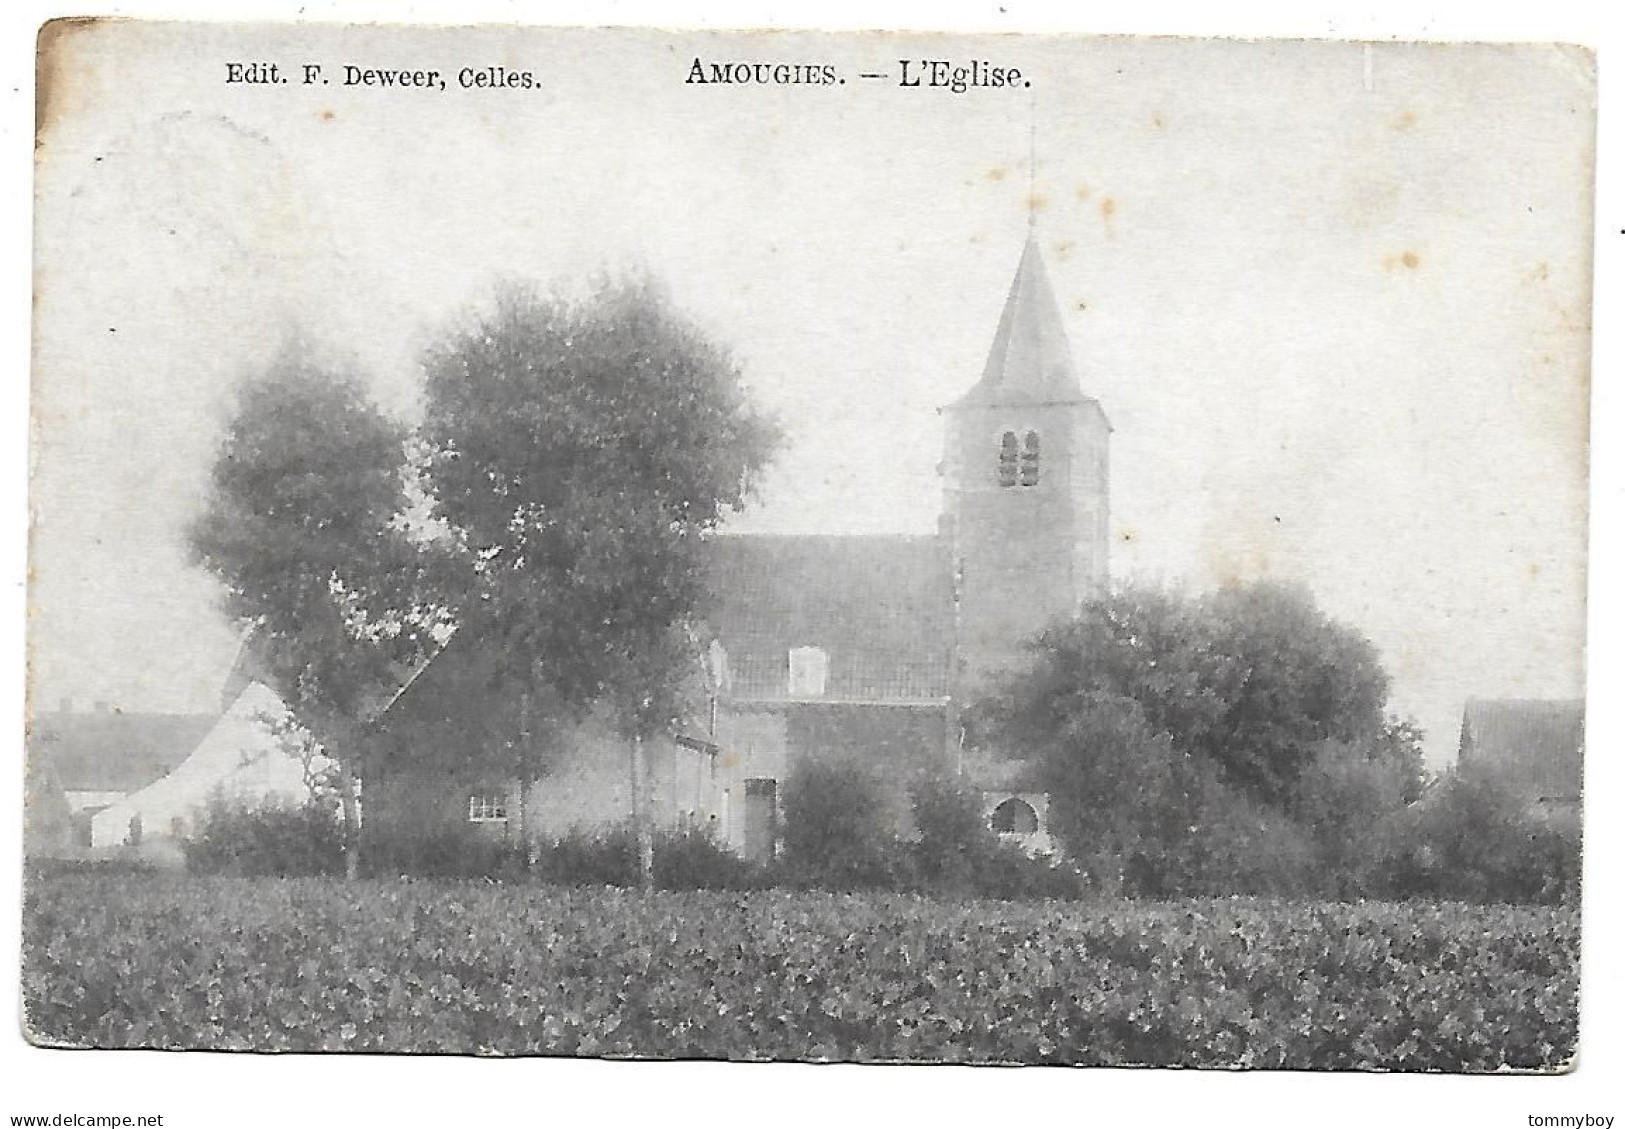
point(879, 607)
point(1536, 742)
point(242, 757)
point(461, 701)
point(1031, 358)
point(455, 685)
point(114, 751)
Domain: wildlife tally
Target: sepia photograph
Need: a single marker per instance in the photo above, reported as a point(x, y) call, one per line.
point(808, 547)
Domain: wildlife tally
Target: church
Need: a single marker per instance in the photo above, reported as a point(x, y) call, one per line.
point(861, 648)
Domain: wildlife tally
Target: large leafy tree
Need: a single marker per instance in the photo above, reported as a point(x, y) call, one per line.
point(1297, 678)
point(304, 527)
point(1253, 678)
point(1163, 723)
point(578, 451)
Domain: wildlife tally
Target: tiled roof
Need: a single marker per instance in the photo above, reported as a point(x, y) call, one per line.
point(460, 681)
point(113, 751)
point(469, 688)
point(1536, 742)
point(879, 607)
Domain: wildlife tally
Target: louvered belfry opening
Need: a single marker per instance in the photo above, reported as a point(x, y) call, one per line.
point(1009, 460)
point(1029, 459)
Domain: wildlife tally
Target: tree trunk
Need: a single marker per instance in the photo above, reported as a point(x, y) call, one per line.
point(352, 822)
point(526, 771)
point(640, 816)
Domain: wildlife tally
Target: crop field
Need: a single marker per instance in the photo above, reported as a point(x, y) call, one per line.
point(317, 965)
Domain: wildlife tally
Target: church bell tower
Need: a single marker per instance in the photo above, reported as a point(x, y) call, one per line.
point(1026, 483)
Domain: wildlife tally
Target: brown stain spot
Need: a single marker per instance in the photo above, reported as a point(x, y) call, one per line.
point(53, 68)
point(1127, 535)
point(1063, 249)
point(1410, 260)
point(1082, 305)
point(1037, 202)
point(1411, 663)
point(1250, 565)
point(1108, 208)
point(327, 115)
point(1082, 192)
point(1534, 572)
point(996, 174)
point(1541, 273)
point(1569, 323)
point(1405, 121)
point(1157, 122)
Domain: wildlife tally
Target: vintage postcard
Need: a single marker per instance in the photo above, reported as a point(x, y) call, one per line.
point(808, 547)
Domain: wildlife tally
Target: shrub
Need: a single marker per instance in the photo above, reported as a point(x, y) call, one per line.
point(1122, 799)
point(277, 840)
point(1007, 873)
point(1242, 846)
point(1346, 801)
point(452, 850)
point(1147, 820)
point(604, 858)
point(1475, 839)
point(117, 865)
point(837, 832)
point(692, 859)
point(954, 842)
point(956, 854)
point(683, 860)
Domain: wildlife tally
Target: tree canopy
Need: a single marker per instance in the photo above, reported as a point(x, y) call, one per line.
point(1193, 734)
point(302, 527)
point(579, 450)
point(1252, 678)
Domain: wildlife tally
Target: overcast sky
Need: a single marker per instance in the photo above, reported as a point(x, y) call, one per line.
point(1334, 299)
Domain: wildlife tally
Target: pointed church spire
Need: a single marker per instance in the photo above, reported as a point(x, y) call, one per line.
point(1031, 359)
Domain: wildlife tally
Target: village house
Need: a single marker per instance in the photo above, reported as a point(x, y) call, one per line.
point(81, 761)
point(106, 782)
point(245, 760)
point(1533, 746)
point(855, 647)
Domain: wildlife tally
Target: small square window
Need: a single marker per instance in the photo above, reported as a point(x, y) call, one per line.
point(486, 808)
